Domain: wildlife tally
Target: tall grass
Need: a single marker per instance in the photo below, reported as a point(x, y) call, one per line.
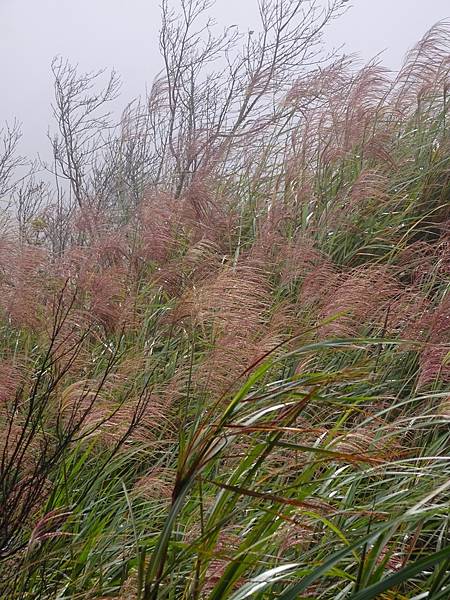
point(242, 392)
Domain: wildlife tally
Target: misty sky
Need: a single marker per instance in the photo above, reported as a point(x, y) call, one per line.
point(123, 34)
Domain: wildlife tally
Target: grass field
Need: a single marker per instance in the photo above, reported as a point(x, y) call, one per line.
point(242, 389)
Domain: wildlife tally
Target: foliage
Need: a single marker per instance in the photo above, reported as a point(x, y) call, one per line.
point(224, 375)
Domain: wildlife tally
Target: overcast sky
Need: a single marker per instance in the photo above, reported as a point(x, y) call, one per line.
point(123, 34)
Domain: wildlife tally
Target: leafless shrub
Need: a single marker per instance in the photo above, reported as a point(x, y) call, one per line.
point(39, 422)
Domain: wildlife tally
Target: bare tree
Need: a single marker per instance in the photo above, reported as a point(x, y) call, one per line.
point(218, 109)
point(219, 92)
point(10, 161)
point(128, 163)
point(83, 120)
point(29, 201)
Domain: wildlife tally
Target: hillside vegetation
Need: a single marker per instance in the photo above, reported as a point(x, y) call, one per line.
point(225, 327)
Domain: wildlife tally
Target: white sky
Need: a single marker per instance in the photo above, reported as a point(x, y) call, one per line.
point(123, 34)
